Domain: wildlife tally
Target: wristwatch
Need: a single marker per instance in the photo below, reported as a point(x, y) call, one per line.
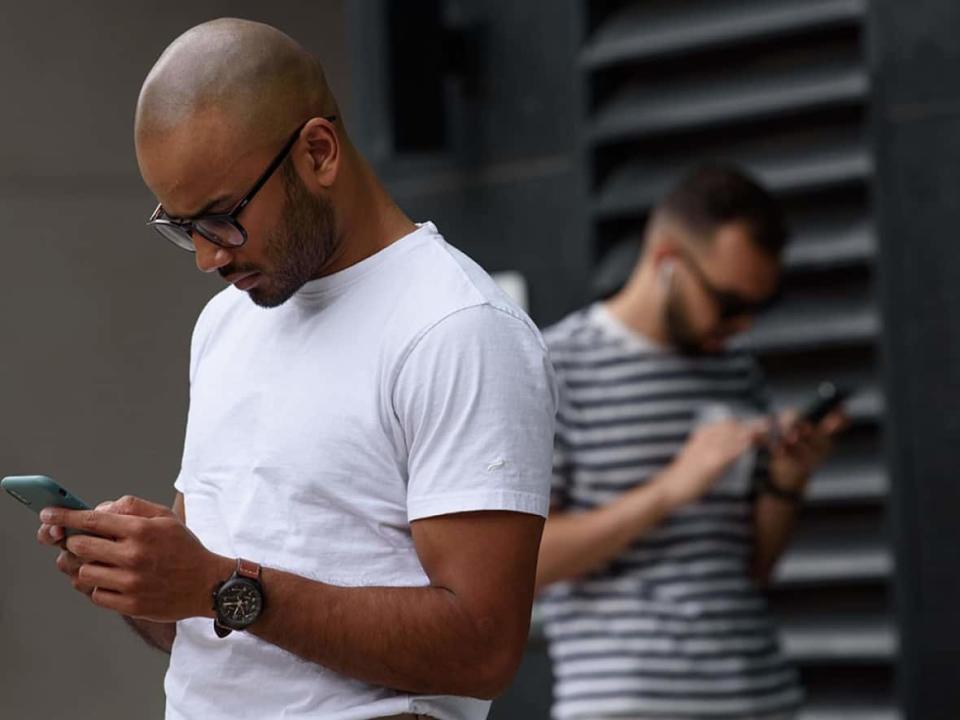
point(238, 600)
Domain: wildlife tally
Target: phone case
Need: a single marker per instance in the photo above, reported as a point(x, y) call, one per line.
point(829, 397)
point(38, 491)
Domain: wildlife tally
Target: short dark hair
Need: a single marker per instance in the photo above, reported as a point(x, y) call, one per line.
point(715, 194)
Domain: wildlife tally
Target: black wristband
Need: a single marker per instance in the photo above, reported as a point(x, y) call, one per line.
point(768, 487)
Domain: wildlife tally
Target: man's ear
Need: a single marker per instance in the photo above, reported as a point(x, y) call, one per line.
point(664, 253)
point(665, 270)
point(319, 158)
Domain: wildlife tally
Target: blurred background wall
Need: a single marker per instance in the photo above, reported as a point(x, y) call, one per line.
point(536, 135)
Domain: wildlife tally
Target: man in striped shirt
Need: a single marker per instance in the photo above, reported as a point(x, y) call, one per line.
point(673, 495)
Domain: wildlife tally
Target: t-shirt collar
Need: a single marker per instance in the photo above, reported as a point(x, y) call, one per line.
point(333, 284)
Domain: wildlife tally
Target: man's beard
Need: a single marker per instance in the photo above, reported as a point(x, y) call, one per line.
point(305, 242)
point(680, 332)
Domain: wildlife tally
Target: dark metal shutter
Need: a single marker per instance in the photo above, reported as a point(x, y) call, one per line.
point(780, 86)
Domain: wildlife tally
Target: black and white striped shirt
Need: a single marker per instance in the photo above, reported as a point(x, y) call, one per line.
point(674, 627)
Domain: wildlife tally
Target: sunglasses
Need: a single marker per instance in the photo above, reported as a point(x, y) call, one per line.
point(222, 229)
point(729, 304)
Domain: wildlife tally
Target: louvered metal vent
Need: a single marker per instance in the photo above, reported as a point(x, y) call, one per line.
point(779, 86)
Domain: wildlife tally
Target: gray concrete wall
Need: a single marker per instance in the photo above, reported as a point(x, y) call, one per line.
point(95, 320)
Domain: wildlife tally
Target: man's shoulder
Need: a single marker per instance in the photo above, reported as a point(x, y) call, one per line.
point(573, 333)
point(439, 281)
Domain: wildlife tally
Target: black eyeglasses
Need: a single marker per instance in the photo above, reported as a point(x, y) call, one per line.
point(223, 229)
point(730, 304)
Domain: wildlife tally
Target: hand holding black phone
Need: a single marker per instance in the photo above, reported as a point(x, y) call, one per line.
point(828, 398)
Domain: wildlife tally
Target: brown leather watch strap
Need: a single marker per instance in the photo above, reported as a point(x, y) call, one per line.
point(248, 569)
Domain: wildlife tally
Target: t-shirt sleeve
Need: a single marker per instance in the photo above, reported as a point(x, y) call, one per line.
point(198, 341)
point(475, 399)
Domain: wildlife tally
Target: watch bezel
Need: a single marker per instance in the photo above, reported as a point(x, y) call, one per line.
point(222, 592)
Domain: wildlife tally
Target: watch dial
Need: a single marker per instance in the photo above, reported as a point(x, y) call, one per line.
point(239, 603)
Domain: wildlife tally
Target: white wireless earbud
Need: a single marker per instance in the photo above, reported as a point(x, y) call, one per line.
point(667, 269)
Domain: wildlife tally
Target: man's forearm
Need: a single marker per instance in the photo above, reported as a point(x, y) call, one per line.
point(419, 640)
point(159, 635)
point(774, 520)
point(574, 544)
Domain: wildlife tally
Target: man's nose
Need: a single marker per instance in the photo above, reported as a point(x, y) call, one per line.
point(210, 257)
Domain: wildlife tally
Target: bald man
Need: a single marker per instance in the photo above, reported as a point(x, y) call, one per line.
point(368, 449)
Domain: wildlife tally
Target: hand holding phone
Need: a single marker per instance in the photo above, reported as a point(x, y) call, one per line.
point(804, 442)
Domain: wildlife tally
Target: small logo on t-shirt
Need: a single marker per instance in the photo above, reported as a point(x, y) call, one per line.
point(496, 464)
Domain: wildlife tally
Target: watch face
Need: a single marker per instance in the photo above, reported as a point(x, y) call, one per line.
point(239, 603)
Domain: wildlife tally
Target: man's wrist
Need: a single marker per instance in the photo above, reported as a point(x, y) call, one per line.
point(792, 494)
point(665, 500)
point(219, 568)
point(790, 483)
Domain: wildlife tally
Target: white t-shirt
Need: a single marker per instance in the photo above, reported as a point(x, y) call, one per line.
point(404, 387)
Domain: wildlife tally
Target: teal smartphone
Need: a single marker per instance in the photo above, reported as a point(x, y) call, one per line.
point(38, 491)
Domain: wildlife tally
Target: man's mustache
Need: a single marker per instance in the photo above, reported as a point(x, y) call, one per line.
point(237, 269)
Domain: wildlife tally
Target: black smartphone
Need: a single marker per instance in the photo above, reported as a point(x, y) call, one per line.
point(829, 397)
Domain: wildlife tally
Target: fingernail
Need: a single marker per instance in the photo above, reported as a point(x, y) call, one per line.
point(46, 515)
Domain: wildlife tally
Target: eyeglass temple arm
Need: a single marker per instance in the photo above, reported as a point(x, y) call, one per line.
point(281, 156)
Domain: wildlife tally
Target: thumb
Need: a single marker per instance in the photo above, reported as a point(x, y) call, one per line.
point(130, 505)
point(789, 418)
point(756, 431)
point(835, 423)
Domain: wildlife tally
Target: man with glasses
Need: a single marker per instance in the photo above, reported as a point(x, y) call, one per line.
point(367, 459)
point(665, 521)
